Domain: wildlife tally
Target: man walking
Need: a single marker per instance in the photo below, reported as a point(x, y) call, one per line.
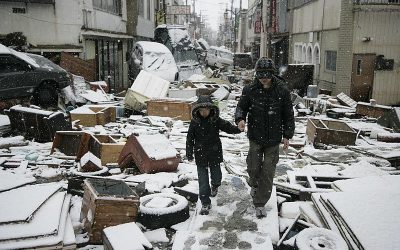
point(267, 107)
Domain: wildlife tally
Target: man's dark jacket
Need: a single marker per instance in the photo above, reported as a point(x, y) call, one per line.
point(203, 134)
point(269, 112)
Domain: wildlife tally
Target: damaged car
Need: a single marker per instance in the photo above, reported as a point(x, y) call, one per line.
point(25, 75)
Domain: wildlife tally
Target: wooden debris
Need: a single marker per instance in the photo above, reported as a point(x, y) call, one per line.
point(35, 123)
point(93, 115)
point(177, 109)
point(107, 203)
point(330, 132)
point(370, 110)
point(90, 163)
point(346, 100)
point(389, 137)
point(150, 153)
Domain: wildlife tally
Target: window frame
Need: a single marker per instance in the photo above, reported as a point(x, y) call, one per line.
point(329, 65)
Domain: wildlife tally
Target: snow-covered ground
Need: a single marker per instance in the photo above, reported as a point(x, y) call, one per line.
point(36, 212)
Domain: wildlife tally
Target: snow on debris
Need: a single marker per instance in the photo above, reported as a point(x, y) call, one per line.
point(181, 203)
point(21, 203)
point(157, 146)
point(127, 236)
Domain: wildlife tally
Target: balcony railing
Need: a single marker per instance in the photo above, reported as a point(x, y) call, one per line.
point(361, 2)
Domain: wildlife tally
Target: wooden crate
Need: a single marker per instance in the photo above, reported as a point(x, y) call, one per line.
point(367, 109)
point(330, 132)
point(100, 115)
point(67, 142)
point(107, 203)
point(176, 109)
point(105, 147)
point(40, 125)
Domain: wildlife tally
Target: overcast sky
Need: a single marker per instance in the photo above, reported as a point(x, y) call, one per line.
point(213, 10)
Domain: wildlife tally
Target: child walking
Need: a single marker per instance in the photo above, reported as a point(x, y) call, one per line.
point(203, 139)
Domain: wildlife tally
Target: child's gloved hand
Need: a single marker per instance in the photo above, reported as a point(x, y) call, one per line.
point(189, 157)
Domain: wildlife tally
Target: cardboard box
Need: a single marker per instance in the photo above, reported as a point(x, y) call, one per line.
point(330, 132)
point(177, 109)
point(107, 203)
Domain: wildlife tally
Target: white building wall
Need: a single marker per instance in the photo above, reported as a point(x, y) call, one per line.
point(44, 24)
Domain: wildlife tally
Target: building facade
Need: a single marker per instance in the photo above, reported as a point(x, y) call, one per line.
point(354, 46)
point(93, 30)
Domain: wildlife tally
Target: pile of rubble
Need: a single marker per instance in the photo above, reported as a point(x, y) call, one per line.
point(121, 158)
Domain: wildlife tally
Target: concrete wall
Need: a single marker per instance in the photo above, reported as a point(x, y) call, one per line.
point(44, 24)
point(383, 27)
point(145, 26)
point(316, 15)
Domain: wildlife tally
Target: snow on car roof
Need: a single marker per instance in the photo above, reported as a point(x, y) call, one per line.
point(221, 49)
point(154, 47)
point(23, 56)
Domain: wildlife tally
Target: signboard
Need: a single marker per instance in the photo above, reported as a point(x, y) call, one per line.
point(178, 10)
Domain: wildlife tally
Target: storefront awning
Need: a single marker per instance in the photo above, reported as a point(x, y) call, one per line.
point(97, 34)
point(56, 48)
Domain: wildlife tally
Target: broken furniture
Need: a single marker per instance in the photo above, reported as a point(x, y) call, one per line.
point(149, 153)
point(38, 124)
point(330, 132)
point(177, 109)
point(145, 87)
point(93, 115)
point(371, 110)
point(107, 203)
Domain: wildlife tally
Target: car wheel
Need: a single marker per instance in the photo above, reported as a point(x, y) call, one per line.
point(152, 215)
point(46, 95)
point(319, 238)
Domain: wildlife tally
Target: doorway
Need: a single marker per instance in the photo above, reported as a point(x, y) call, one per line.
point(362, 77)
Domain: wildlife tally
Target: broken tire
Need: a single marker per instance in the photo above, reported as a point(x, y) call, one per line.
point(319, 238)
point(156, 217)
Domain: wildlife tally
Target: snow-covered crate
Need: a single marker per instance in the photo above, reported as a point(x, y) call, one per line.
point(330, 132)
point(36, 123)
point(93, 115)
point(177, 109)
point(149, 153)
point(107, 203)
point(371, 110)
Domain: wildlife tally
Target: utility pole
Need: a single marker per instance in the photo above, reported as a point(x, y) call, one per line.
point(270, 28)
point(164, 11)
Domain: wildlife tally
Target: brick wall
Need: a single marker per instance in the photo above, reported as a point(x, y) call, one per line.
point(78, 66)
point(345, 48)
